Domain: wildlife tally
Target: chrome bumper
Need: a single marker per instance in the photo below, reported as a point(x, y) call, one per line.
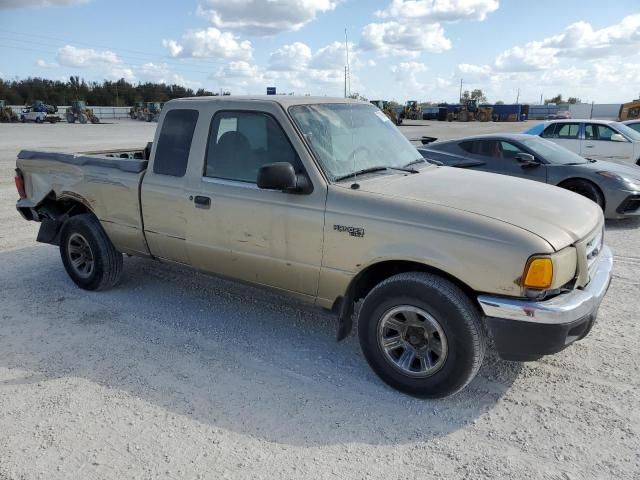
point(562, 309)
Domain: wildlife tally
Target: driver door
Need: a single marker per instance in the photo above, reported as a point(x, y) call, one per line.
point(243, 232)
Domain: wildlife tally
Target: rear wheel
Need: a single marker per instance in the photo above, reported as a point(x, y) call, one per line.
point(586, 189)
point(421, 334)
point(88, 255)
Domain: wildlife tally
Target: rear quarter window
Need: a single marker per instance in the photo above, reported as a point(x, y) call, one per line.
point(174, 143)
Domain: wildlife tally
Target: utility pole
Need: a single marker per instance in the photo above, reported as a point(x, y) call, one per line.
point(540, 99)
point(518, 96)
point(460, 96)
point(345, 81)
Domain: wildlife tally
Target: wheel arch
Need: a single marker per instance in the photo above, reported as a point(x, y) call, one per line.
point(365, 280)
point(586, 180)
point(53, 211)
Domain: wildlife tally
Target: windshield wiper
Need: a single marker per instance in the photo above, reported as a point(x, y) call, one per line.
point(375, 169)
point(361, 172)
point(415, 162)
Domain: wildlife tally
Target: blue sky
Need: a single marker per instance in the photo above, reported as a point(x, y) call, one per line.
point(400, 49)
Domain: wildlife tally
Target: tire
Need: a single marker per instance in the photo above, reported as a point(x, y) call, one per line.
point(82, 117)
point(95, 120)
point(83, 238)
point(586, 189)
point(38, 120)
point(457, 334)
point(71, 118)
point(482, 117)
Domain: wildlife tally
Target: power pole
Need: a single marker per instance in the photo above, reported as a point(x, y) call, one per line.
point(460, 96)
point(518, 96)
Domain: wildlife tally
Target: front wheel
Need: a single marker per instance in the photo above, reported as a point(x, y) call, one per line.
point(88, 255)
point(586, 189)
point(421, 334)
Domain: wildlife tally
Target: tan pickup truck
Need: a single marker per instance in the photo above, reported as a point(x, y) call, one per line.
point(326, 200)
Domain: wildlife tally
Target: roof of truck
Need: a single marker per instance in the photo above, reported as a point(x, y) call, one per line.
point(284, 100)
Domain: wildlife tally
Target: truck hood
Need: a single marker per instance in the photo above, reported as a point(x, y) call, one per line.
point(558, 216)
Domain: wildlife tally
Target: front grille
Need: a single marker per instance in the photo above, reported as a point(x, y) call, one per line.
point(630, 204)
point(593, 247)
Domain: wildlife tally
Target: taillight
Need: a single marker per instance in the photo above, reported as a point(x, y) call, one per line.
point(20, 184)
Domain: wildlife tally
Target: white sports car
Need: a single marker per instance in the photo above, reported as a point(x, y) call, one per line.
point(596, 139)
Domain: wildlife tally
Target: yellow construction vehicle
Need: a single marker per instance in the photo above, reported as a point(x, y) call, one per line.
point(412, 110)
point(469, 111)
point(388, 110)
point(79, 111)
point(630, 110)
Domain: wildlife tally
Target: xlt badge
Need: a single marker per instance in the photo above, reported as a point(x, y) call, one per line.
point(353, 231)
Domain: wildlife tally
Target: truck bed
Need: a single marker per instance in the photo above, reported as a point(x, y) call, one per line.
point(105, 182)
point(125, 160)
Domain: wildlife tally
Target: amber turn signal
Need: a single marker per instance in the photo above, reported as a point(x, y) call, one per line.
point(539, 273)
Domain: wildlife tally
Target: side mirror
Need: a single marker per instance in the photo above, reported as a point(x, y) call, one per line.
point(282, 176)
point(527, 160)
point(618, 137)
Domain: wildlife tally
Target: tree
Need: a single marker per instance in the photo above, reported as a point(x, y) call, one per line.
point(573, 100)
point(477, 95)
point(557, 100)
point(107, 93)
point(499, 102)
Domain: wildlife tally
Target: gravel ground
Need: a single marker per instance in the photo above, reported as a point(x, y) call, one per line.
point(174, 374)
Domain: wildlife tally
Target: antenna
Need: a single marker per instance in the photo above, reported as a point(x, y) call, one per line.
point(347, 70)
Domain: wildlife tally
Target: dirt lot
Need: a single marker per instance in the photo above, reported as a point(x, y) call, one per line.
point(174, 374)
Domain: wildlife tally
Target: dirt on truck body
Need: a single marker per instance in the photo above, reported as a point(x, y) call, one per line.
point(325, 200)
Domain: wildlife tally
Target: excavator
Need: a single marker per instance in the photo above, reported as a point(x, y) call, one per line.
point(388, 111)
point(630, 110)
point(469, 111)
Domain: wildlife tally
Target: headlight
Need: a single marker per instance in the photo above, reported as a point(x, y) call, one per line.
point(630, 182)
point(538, 273)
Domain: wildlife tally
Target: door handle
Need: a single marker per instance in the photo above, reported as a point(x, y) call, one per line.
point(588, 146)
point(202, 202)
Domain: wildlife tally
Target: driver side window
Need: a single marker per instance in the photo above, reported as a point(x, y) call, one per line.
point(242, 142)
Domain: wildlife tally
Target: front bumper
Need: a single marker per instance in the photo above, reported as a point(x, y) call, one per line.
point(526, 330)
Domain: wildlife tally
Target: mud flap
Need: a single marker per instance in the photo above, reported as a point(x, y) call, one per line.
point(345, 321)
point(49, 231)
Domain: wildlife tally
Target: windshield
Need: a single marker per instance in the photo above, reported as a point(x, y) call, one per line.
point(350, 137)
point(552, 152)
point(629, 132)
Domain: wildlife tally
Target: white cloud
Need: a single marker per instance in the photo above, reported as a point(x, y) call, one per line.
point(290, 57)
point(404, 39)
point(333, 57)
point(410, 74)
point(44, 64)
point(70, 56)
point(475, 71)
point(210, 43)
point(578, 40)
point(263, 17)
point(533, 56)
point(39, 3)
point(434, 11)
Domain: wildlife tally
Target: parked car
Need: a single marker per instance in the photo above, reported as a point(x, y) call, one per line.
point(635, 124)
point(615, 187)
point(29, 114)
point(326, 200)
point(597, 139)
point(559, 115)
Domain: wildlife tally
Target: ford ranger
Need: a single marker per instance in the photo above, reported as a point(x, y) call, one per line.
point(326, 200)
